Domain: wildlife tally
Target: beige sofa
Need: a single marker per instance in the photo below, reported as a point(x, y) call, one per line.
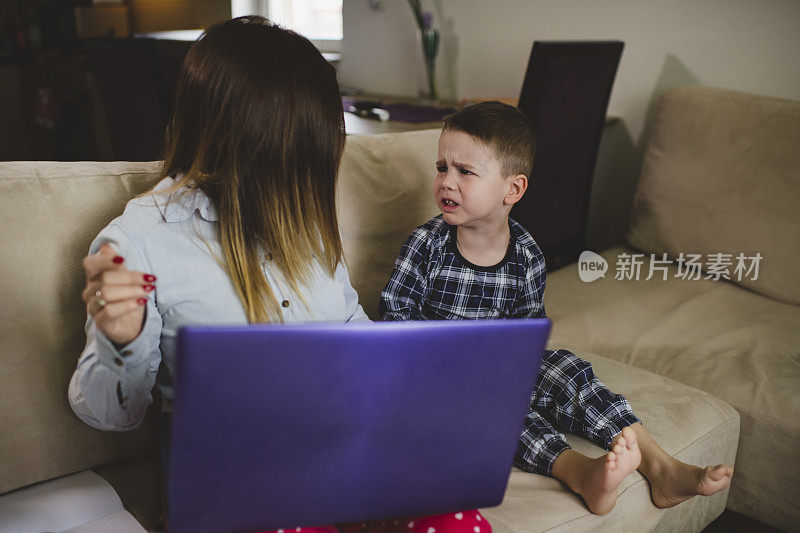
point(721, 175)
point(52, 463)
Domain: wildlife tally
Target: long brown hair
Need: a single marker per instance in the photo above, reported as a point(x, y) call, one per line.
point(258, 127)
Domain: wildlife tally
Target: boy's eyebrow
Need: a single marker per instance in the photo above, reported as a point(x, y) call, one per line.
point(464, 165)
point(442, 162)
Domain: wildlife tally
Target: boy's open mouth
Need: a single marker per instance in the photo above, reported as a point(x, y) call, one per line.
point(449, 203)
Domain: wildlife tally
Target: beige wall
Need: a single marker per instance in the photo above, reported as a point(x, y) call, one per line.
point(746, 45)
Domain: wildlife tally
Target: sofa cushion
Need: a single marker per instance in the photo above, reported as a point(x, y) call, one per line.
point(722, 175)
point(689, 424)
point(385, 191)
point(735, 344)
point(50, 212)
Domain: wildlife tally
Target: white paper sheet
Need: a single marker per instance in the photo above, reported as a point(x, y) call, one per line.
point(67, 504)
point(122, 521)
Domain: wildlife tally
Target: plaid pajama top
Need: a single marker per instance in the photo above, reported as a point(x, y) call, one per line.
point(431, 280)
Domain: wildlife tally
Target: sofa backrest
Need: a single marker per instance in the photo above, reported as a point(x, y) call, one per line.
point(50, 212)
point(385, 191)
point(722, 175)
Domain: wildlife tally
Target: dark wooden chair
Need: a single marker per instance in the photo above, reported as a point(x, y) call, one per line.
point(565, 94)
point(136, 80)
point(169, 56)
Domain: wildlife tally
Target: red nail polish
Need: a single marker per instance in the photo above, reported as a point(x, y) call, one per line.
point(118, 259)
point(148, 288)
point(149, 278)
point(141, 301)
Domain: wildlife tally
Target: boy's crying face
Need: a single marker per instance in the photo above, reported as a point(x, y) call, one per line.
point(470, 188)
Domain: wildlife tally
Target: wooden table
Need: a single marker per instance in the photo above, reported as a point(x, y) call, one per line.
point(355, 125)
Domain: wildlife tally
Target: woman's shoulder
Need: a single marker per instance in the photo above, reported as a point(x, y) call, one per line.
point(157, 222)
point(168, 202)
point(146, 204)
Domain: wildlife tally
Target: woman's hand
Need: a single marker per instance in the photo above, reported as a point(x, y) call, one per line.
point(115, 297)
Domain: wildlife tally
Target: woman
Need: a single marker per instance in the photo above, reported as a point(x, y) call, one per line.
point(242, 228)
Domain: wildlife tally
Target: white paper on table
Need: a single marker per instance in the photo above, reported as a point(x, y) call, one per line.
point(121, 521)
point(78, 503)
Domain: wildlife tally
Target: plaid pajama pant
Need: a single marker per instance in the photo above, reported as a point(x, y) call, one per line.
point(569, 395)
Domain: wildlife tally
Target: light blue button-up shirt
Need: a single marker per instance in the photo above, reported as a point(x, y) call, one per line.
point(175, 238)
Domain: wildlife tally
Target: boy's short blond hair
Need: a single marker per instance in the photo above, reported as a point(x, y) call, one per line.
point(504, 129)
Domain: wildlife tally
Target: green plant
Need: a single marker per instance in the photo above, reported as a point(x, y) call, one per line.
point(429, 37)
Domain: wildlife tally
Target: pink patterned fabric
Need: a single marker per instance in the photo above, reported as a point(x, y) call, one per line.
point(460, 522)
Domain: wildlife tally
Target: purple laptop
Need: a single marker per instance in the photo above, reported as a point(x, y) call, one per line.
point(308, 425)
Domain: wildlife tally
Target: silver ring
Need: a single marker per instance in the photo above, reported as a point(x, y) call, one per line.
point(100, 301)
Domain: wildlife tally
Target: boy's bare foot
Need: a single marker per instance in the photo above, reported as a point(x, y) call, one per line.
point(677, 482)
point(601, 483)
point(597, 480)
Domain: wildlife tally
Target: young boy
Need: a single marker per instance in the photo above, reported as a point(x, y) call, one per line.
point(473, 261)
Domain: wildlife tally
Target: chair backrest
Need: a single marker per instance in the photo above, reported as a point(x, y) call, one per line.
point(565, 94)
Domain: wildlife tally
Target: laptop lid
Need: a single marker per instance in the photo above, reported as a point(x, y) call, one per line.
point(303, 425)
